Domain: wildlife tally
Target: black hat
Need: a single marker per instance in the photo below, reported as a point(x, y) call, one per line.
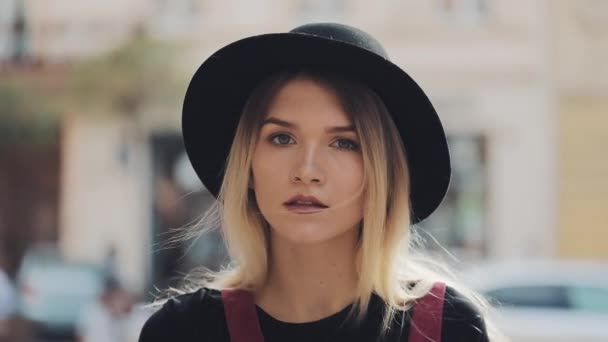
point(221, 85)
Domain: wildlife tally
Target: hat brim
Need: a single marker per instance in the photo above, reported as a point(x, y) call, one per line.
point(219, 88)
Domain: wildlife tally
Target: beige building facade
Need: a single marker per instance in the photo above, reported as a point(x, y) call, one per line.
point(63, 31)
point(581, 71)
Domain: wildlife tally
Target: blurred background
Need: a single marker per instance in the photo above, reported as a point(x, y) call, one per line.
point(93, 175)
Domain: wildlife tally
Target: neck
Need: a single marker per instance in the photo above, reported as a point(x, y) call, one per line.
point(307, 282)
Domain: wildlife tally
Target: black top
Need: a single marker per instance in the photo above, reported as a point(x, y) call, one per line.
point(199, 316)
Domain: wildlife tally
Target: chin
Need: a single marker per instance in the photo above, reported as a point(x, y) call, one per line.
point(307, 233)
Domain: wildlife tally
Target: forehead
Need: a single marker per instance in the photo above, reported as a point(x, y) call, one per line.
point(303, 99)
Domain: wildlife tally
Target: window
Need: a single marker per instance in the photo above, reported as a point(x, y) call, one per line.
point(14, 30)
point(530, 296)
point(7, 13)
point(179, 199)
point(176, 18)
point(458, 223)
point(463, 11)
point(314, 10)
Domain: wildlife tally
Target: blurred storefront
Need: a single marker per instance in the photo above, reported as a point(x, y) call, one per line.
point(29, 184)
point(30, 151)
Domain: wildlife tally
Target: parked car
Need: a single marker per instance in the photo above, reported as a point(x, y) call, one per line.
point(53, 293)
point(546, 300)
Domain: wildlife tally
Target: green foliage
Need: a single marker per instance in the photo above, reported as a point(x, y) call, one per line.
point(122, 82)
point(25, 114)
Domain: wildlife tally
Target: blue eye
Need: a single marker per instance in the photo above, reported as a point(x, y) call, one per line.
point(341, 143)
point(347, 144)
point(281, 139)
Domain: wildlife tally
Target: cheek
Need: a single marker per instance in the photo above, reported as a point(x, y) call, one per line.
point(265, 167)
point(348, 174)
point(348, 188)
point(266, 170)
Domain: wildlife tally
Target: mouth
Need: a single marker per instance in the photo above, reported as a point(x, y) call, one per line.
point(304, 204)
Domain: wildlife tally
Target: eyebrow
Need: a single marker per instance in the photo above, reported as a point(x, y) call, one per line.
point(287, 124)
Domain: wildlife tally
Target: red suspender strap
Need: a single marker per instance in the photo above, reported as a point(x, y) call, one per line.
point(241, 316)
point(428, 316)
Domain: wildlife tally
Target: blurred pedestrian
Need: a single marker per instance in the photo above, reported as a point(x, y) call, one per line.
point(8, 299)
point(106, 320)
point(322, 153)
point(110, 263)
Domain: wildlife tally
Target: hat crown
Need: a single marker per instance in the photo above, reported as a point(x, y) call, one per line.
point(343, 33)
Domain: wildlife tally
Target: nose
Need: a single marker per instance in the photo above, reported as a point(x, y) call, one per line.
point(307, 168)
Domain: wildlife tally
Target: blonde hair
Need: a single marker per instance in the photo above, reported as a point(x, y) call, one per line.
point(385, 260)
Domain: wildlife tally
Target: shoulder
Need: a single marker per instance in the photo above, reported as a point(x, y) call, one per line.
point(462, 319)
point(185, 316)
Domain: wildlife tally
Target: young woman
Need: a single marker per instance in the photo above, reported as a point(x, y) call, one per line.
point(321, 153)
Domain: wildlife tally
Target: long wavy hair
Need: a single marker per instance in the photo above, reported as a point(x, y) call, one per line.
point(386, 261)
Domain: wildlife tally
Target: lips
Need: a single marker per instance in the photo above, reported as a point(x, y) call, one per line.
point(304, 204)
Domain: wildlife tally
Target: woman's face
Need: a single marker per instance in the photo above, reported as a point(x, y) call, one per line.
point(308, 147)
